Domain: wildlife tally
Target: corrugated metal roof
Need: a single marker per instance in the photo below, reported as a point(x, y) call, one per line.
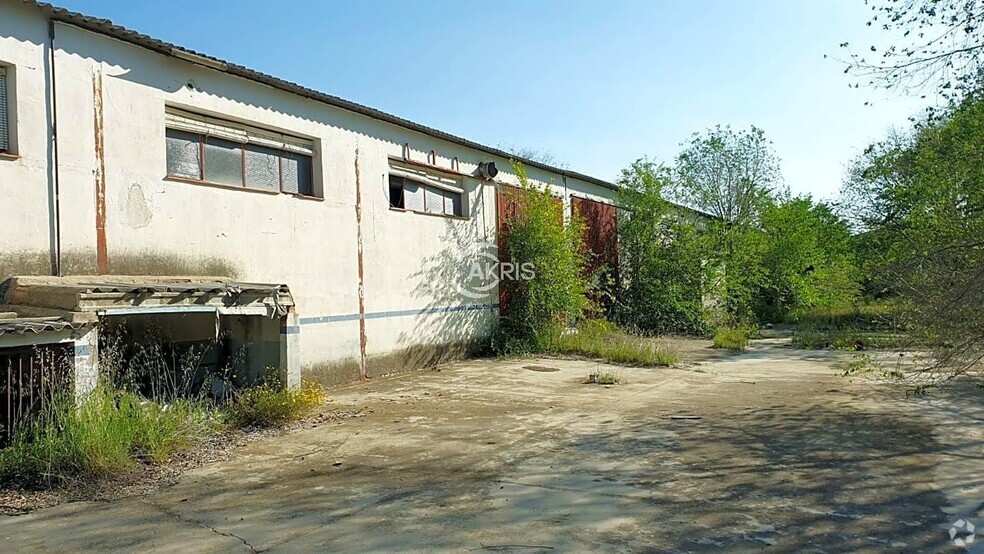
point(150, 287)
point(35, 325)
point(108, 28)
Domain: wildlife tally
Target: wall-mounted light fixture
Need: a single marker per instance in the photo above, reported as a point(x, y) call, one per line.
point(487, 170)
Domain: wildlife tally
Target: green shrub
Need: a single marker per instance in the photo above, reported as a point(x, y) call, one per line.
point(731, 338)
point(662, 269)
point(106, 435)
point(538, 236)
point(271, 404)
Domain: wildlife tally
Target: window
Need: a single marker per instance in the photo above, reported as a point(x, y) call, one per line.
point(214, 151)
point(407, 194)
point(4, 113)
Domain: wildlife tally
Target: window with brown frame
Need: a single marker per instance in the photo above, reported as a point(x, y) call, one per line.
point(208, 150)
point(407, 194)
point(4, 113)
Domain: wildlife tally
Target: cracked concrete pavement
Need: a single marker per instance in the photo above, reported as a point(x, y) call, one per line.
point(488, 455)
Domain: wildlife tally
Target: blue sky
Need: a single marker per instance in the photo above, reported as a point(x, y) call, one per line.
point(596, 83)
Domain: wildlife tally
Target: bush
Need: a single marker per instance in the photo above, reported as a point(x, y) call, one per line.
point(537, 234)
point(271, 404)
point(599, 339)
point(662, 271)
point(731, 338)
point(106, 435)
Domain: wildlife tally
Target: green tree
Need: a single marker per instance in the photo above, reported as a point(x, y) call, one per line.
point(556, 294)
point(662, 251)
point(920, 198)
point(808, 259)
point(733, 176)
point(937, 47)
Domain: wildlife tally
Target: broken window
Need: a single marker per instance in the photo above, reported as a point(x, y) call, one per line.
point(407, 194)
point(4, 115)
point(215, 151)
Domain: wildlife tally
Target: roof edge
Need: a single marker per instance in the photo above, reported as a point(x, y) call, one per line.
point(110, 29)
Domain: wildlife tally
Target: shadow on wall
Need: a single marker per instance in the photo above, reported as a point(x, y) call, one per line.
point(447, 281)
point(440, 334)
point(143, 263)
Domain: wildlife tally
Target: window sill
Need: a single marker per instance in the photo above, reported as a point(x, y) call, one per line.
point(190, 181)
point(8, 157)
point(443, 216)
point(306, 197)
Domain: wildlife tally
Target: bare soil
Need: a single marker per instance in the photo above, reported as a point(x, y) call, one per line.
point(765, 450)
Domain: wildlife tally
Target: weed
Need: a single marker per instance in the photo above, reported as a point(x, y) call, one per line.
point(731, 338)
point(104, 435)
point(271, 404)
point(860, 364)
point(604, 379)
point(604, 341)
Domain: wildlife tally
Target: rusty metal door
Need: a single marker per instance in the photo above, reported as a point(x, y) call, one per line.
point(601, 243)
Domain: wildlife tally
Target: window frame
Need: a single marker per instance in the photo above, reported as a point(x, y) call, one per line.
point(244, 185)
point(425, 186)
point(9, 99)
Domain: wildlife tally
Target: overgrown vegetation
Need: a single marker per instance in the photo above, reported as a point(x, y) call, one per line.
point(149, 406)
point(663, 272)
point(555, 296)
point(863, 326)
point(598, 339)
point(271, 404)
point(106, 435)
point(731, 338)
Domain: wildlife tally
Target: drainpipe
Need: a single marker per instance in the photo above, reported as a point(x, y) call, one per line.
point(56, 256)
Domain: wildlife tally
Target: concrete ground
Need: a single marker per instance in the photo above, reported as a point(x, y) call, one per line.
point(489, 455)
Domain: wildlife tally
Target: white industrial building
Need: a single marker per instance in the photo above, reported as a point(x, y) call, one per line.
point(123, 155)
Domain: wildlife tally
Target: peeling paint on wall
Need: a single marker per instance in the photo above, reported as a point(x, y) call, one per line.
point(102, 253)
point(136, 208)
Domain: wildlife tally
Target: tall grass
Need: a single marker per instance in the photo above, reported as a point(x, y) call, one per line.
point(870, 325)
point(103, 436)
point(731, 338)
point(599, 339)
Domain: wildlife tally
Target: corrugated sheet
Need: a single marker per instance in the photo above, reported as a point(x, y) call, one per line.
point(151, 287)
point(35, 325)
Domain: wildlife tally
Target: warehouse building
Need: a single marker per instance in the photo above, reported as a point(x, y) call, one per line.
point(122, 155)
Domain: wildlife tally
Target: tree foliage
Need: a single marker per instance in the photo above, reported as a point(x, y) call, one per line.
point(728, 174)
point(662, 285)
point(918, 199)
point(809, 259)
point(938, 46)
point(557, 293)
point(732, 176)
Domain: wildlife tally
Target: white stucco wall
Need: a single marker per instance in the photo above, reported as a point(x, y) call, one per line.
point(162, 226)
